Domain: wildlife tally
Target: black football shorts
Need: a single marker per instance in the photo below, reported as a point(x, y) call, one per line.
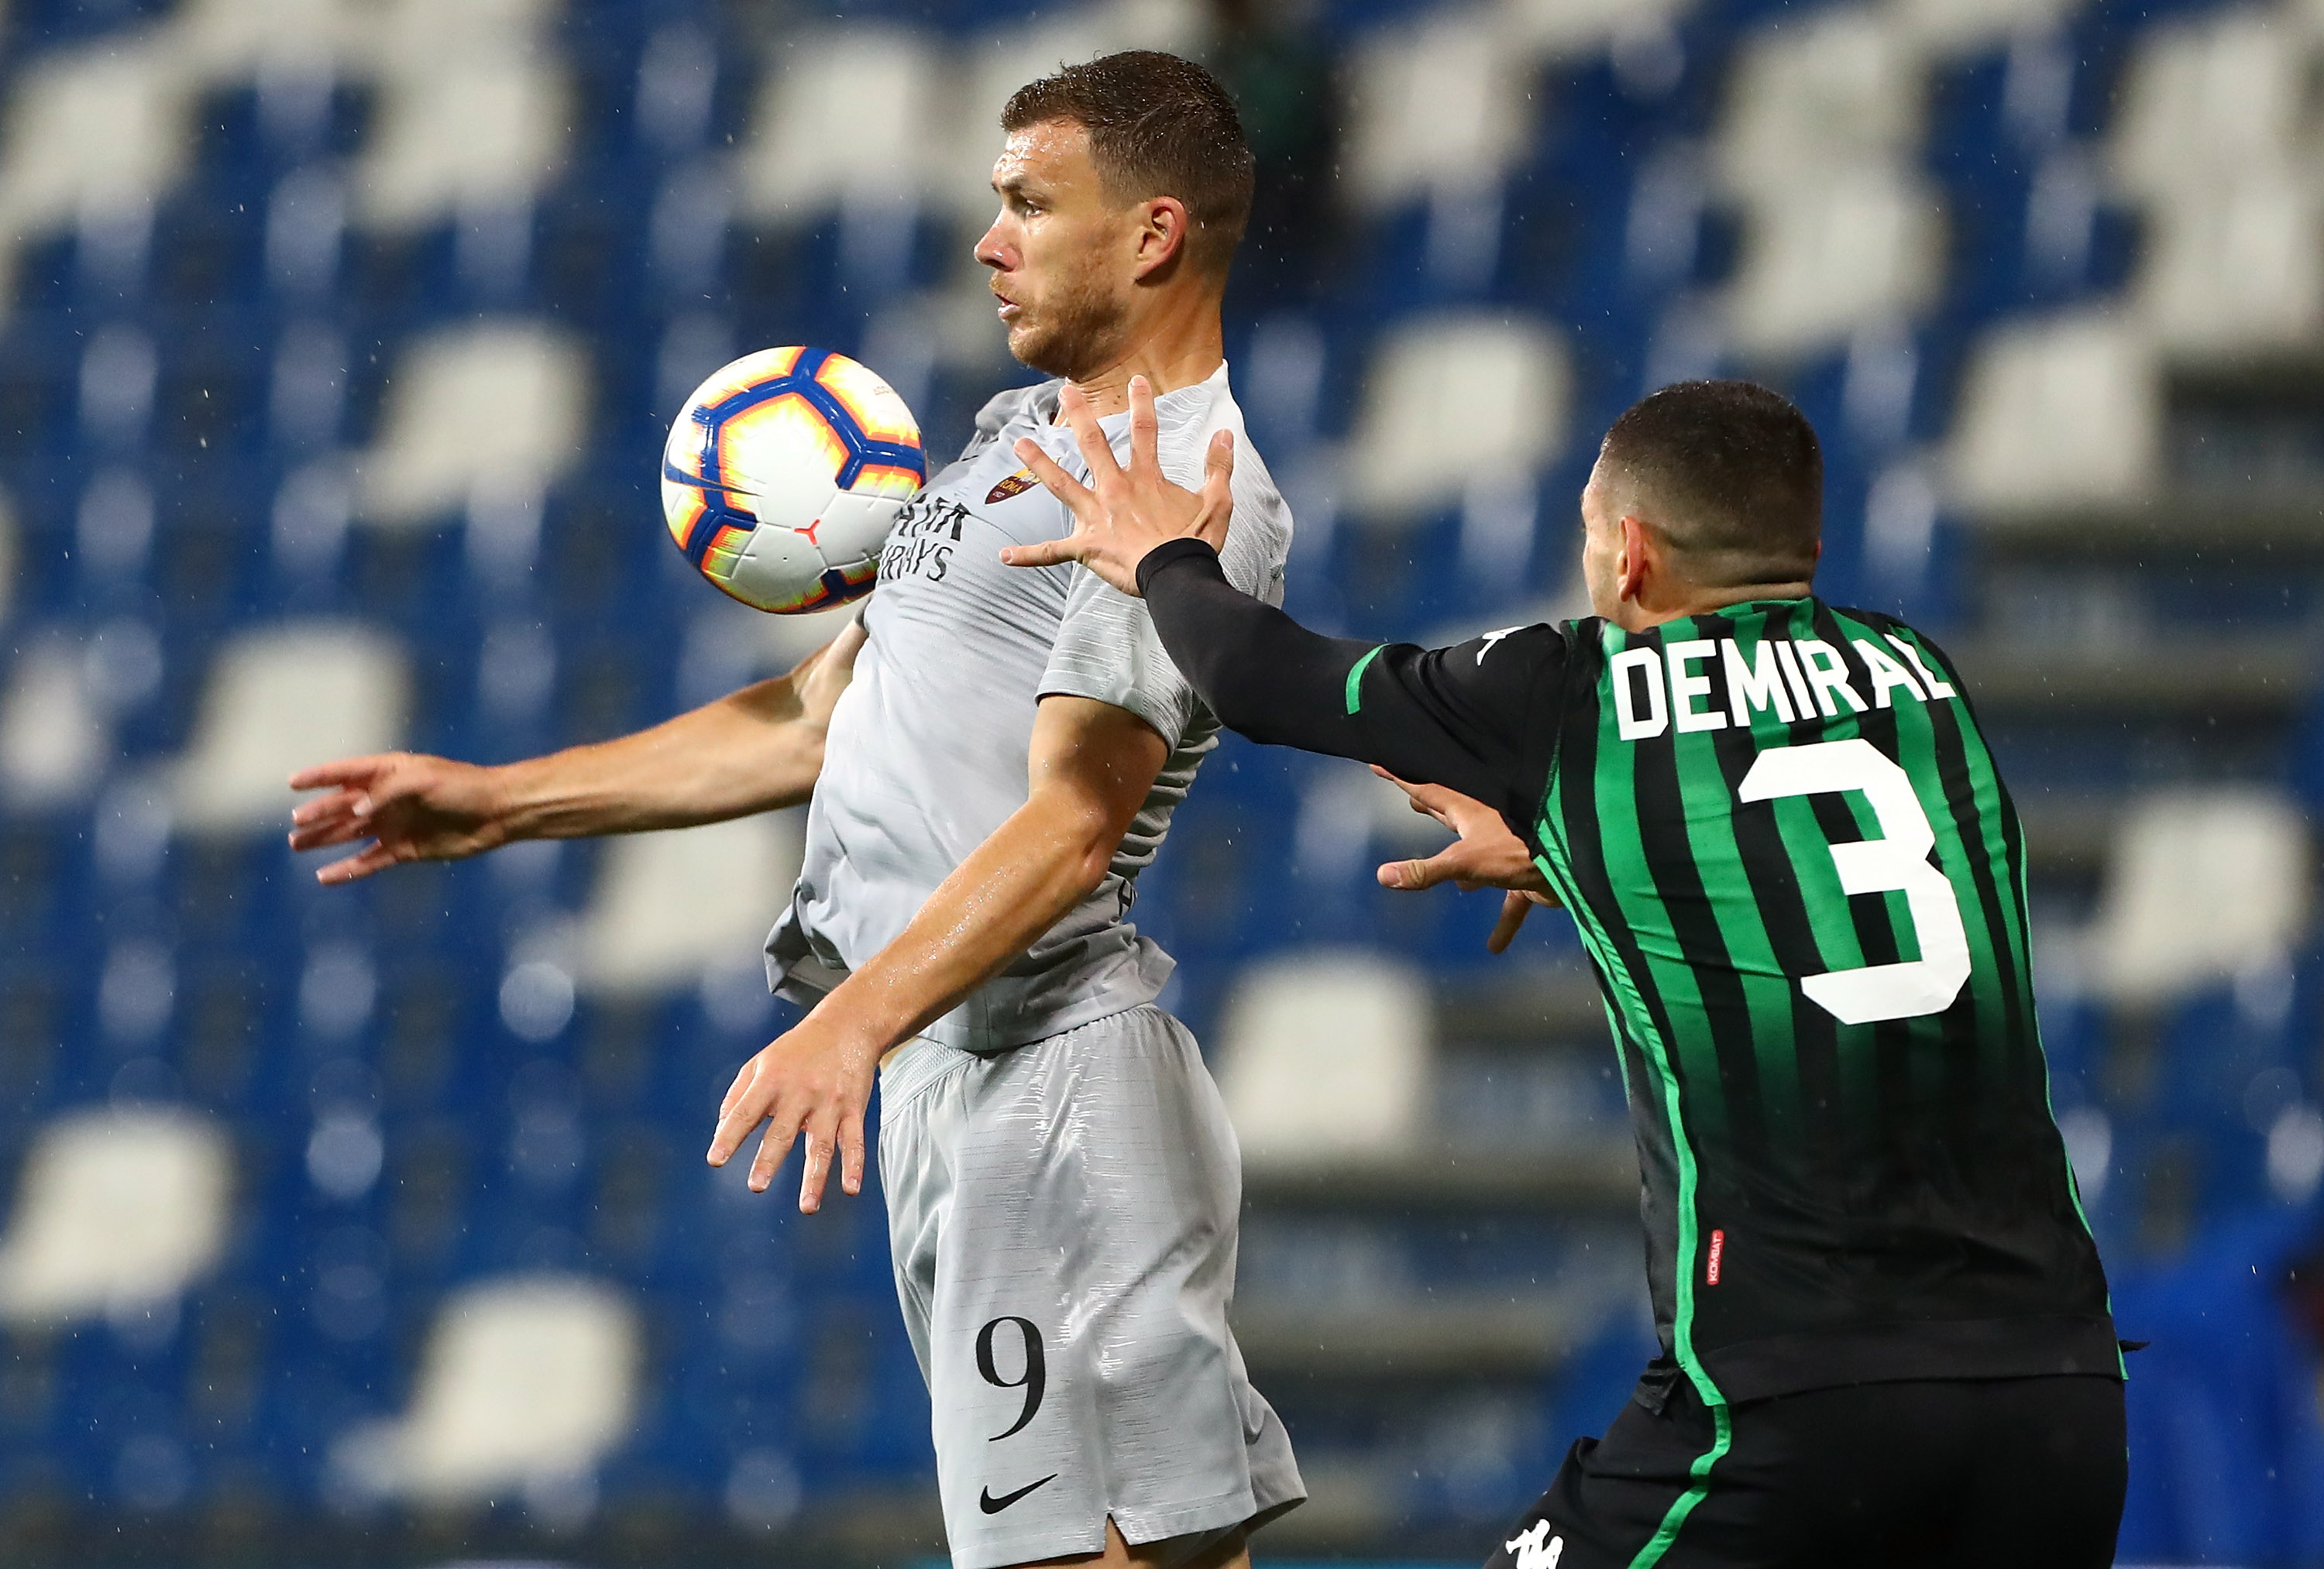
point(1982, 1473)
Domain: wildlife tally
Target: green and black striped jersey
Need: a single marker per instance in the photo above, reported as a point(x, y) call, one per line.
point(1800, 881)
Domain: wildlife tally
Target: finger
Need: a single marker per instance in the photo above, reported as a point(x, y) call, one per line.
point(782, 1132)
point(354, 803)
point(851, 1153)
point(1515, 908)
point(377, 859)
point(1044, 552)
point(738, 1115)
point(1145, 445)
point(1411, 790)
point(744, 1077)
point(342, 771)
point(1415, 874)
point(1061, 484)
point(1218, 482)
point(814, 1171)
point(1217, 496)
point(1097, 451)
point(342, 829)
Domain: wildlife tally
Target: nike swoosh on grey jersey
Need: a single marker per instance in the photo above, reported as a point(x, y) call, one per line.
point(993, 1506)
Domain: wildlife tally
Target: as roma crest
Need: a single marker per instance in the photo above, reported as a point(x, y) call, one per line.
point(1016, 484)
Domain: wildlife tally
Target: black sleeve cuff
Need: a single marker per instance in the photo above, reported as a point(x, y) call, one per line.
point(1171, 550)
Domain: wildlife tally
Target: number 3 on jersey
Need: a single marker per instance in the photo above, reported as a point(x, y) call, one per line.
point(1896, 862)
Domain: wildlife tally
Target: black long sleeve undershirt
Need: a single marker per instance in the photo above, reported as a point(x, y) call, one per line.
point(1453, 716)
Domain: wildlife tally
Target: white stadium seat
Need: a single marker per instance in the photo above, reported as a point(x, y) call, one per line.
point(2204, 885)
point(224, 40)
point(1959, 26)
point(2215, 96)
point(461, 137)
point(280, 699)
point(1559, 29)
point(1448, 398)
point(495, 409)
point(524, 1381)
point(419, 35)
point(670, 907)
point(2235, 265)
point(2061, 412)
point(1438, 105)
point(116, 1209)
point(1323, 1060)
point(844, 113)
point(1829, 255)
point(1836, 90)
point(1840, 232)
point(54, 743)
point(92, 137)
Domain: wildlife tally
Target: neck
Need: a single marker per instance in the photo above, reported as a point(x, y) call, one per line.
point(1632, 616)
point(1175, 349)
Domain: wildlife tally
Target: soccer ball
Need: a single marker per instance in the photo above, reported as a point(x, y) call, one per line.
point(783, 473)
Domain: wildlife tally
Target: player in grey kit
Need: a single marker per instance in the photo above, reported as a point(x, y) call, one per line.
point(1062, 1182)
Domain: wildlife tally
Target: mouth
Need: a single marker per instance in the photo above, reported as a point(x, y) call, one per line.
point(1008, 309)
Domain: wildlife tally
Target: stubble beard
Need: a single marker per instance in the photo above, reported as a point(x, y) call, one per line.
point(1078, 333)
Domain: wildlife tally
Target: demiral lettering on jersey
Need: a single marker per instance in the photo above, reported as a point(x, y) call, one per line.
point(1706, 683)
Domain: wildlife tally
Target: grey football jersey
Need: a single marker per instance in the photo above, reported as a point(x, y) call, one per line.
point(927, 750)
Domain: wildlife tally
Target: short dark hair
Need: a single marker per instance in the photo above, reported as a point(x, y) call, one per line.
point(1158, 126)
point(1731, 474)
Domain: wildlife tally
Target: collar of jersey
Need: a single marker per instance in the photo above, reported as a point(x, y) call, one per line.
point(1041, 408)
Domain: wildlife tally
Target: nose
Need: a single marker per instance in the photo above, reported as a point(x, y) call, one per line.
point(991, 251)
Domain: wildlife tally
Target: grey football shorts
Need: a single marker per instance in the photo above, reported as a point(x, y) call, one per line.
point(1062, 1219)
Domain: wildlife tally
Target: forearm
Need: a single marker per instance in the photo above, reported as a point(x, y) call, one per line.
point(1022, 880)
point(750, 751)
point(1264, 674)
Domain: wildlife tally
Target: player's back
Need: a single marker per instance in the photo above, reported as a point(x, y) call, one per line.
point(1796, 867)
point(926, 753)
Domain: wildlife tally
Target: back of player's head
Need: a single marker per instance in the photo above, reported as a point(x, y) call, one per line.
point(1729, 473)
point(1158, 127)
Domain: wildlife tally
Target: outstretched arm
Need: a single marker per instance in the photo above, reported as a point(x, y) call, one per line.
point(1090, 767)
point(753, 751)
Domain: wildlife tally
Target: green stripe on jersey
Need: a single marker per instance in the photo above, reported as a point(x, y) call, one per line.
point(1356, 679)
point(1697, 1490)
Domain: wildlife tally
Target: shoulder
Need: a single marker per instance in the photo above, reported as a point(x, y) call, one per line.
point(1889, 627)
point(1001, 408)
point(1183, 437)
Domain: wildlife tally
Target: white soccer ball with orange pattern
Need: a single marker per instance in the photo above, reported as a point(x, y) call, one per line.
point(783, 474)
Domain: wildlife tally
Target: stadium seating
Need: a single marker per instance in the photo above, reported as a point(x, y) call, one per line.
point(337, 346)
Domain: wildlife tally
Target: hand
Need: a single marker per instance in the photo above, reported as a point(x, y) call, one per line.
point(411, 807)
point(1486, 855)
point(820, 677)
point(1120, 515)
point(817, 1081)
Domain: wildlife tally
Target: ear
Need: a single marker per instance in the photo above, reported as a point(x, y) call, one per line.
point(1162, 231)
point(1639, 558)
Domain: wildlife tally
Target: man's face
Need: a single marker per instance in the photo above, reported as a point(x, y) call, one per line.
point(1061, 254)
point(1601, 543)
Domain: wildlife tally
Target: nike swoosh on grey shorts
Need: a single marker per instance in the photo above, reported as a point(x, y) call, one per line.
point(1062, 1219)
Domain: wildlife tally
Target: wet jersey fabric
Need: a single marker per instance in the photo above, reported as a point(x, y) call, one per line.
point(927, 751)
point(1801, 882)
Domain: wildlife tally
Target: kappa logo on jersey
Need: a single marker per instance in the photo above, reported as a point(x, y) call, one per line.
point(1492, 638)
point(1016, 484)
point(1531, 1552)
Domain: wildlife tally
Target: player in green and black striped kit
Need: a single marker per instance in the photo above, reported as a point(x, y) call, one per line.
point(1801, 883)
